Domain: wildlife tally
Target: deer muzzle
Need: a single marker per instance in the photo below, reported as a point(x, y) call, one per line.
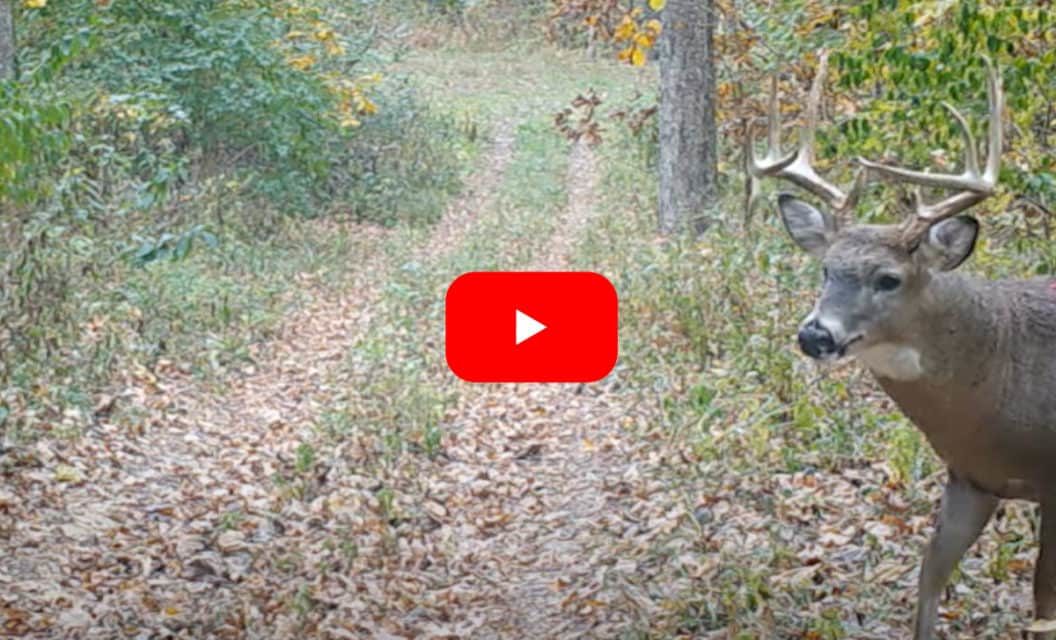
point(816, 341)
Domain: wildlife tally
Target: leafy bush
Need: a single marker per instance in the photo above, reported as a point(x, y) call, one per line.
point(403, 158)
point(913, 58)
point(893, 66)
point(213, 82)
point(155, 160)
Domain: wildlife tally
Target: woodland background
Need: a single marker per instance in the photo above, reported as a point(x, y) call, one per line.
point(178, 176)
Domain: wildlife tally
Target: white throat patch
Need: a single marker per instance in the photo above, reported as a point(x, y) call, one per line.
point(894, 361)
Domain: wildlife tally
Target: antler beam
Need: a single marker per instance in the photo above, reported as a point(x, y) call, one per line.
point(797, 166)
point(973, 185)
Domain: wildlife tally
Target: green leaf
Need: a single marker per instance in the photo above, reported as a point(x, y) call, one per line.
point(183, 247)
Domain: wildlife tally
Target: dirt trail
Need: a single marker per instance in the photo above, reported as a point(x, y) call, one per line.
point(539, 518)
point(534, 521)
point(562, 463)
point(117, 532)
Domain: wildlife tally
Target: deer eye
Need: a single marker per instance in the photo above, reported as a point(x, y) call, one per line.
point(888, 282)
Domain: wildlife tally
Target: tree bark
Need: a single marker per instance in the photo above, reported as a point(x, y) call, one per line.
point(7, 39)
point(688, 145)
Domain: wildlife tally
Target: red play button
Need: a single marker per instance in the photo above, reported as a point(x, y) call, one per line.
point(531, 326)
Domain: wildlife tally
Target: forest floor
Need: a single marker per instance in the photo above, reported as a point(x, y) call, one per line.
point(346, 485)
point(225, 516)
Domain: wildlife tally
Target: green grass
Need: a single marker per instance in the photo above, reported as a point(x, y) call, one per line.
point(523, 83)
point(708, 339)
point(86, 317)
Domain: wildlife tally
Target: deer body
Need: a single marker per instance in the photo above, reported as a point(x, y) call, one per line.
point(971, 362)
point(985, 396)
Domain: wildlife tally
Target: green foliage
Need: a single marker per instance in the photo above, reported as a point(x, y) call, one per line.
point(910, 57)
point(154, 158)
point(170, 246)
point(201, 80)
point(33, 137)
point(36, 121)
point(407, 159)
point(893, 65)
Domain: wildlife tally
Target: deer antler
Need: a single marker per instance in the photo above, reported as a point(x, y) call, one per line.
point(797, 166)
point(973, 186)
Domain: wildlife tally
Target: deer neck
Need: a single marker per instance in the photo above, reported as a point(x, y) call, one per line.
point(948, 342)
point(964, 396)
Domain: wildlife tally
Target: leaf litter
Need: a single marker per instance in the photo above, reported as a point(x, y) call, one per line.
point(555, 511)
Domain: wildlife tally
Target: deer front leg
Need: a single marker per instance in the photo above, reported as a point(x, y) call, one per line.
point(1045, 569)
point(963, 513)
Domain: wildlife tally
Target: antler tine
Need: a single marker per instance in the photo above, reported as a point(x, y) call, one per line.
point(806, 135)
point(772, 162)
point(773, 123)
point(797, 166)
point(973, 186)
point(971, 152)
point(996, 100)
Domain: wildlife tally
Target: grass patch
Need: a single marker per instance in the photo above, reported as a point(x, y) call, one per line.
point(82, 311)
point(407, 391)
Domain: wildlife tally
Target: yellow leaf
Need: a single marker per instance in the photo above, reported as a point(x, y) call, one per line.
point(66, 473)
point(638, 57)
point(654, 27)
point(34, 4)
point(657, 5)
point(625, 30)
point(302, 63)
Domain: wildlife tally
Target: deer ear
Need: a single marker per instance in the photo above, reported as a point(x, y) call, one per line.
point(948, 243)
point(810, 228)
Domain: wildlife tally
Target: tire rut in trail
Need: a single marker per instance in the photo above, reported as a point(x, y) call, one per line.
point(549, 548)
point(581, 184)
point(164, 530)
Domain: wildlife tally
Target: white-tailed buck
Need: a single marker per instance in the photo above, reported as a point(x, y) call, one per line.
point(970, 361)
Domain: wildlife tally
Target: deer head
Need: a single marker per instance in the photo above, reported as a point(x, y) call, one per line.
point(875, 275)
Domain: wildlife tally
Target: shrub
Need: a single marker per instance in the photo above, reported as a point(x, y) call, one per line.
point(151, 156)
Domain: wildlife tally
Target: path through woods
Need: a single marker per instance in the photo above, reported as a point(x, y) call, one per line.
point(343, 484)
point(243, 511)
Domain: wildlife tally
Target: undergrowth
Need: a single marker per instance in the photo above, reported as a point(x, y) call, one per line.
point(177, 194)
point(407, 391)
point(707, 337)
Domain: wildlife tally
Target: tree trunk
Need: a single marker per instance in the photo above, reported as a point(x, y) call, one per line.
point(688, 145)
point(7, 39)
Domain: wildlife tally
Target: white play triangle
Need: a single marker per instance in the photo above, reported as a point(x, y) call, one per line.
point(527, 326)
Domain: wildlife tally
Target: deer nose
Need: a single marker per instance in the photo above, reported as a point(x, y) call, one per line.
point(815, 340)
